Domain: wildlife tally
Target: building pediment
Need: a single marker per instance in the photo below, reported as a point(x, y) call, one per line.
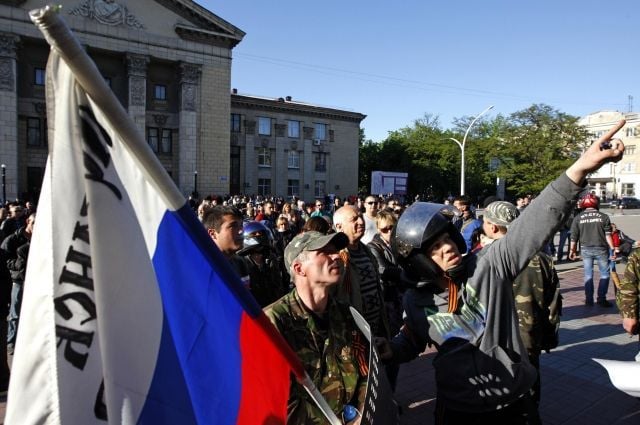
point(204, 25)
point(169, 18)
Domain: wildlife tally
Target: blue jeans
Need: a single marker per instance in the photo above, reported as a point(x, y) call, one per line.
point(14, 312)
point(564, 235)
point(601, 255)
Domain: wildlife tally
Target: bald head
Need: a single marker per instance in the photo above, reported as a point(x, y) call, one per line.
point(348, 220)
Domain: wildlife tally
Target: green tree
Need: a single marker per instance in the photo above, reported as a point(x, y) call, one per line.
point(534, 146)
point(527, 149)
point(369, 156)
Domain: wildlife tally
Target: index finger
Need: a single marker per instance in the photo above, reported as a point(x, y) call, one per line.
point(609, 134)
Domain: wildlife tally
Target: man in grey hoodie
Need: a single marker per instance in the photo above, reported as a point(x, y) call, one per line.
point(464, 306)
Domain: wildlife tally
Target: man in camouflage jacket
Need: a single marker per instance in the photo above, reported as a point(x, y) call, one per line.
point(531, 302)
point(629, 293)
point(320, 329)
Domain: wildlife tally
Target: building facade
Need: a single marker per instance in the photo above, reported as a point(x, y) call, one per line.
point(167, 61)
point(169, 64)
point(288, 148)
point(623, 178)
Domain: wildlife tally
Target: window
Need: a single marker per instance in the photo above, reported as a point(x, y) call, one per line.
point(321, 131)
point(321, 162)
point(39, 76)
point(166, 141)
point(293, 129)
point(630, 150)
point(319, 190)
point(264, 126)
point(628, 189)
point(264, 187)
point(293, 188)
point(264, 157)
point(630, 132)
point(34, 132)
point(152, 138)
point(235, 123)
point(160, 140)
point(630, 167)
point(160, 92)
point(294, 159)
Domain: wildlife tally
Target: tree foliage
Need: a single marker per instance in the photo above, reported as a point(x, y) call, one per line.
point(527, 149)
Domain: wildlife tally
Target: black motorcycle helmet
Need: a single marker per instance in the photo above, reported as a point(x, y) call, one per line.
point(257, 238)
point(418, 227)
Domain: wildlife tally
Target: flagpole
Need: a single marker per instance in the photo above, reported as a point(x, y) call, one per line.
point(60, 38)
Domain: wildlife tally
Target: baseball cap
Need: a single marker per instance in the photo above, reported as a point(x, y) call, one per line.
point(312, 241)
point(501, 213)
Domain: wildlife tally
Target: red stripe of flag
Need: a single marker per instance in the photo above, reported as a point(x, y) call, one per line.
point(266, 372)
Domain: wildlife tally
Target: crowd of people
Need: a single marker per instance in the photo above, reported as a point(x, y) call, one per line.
point(16, 227)
point(482, 291)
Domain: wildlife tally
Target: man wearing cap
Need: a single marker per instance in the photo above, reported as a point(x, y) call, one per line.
point(536, 289)
point(320, 329)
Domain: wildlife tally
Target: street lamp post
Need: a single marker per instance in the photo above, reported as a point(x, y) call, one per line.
point(4, 184)
point(195, 183)
point(463, 144)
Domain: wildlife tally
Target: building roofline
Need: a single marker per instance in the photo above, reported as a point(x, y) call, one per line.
point(286, 104)
point(208, 24)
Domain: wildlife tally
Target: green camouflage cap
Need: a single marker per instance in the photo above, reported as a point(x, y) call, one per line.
point(501, 213)
point(312, 241)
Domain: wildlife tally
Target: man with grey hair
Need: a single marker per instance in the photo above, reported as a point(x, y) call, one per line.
point(536, 290)
point(320, 329)
point(362, 287)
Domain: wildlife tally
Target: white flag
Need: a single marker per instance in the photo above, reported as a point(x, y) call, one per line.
point(130, 313)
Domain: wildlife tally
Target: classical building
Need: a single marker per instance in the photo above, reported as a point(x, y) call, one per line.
point(284, 147)
point(169, 64)
point(623, 178)
point(167, 61)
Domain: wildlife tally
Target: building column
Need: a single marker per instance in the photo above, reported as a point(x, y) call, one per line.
point(137, 73)
point(188, 131)
point(308, 162)
point(281, 169)
point(9, 112)
point(250, 162)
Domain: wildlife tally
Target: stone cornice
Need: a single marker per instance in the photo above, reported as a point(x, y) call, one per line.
point(276, 105)
point(203, 19)
point(206, 36)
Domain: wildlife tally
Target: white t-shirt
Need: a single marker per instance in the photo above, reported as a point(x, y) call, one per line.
point(370, 229)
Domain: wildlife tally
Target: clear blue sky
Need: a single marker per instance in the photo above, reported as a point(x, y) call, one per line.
point(394, 61)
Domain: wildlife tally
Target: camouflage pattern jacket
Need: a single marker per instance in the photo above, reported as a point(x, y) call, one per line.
point(535, 290)
point(334, 356)
point(627, 297)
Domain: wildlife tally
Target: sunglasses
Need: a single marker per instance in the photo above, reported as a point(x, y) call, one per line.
point(386, 229)
point(370, 203)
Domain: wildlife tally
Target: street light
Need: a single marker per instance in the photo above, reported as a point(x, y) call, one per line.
point(4, 184)
point(463, 144)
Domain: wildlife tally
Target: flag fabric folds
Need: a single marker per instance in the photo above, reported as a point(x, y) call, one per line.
point(130, 313)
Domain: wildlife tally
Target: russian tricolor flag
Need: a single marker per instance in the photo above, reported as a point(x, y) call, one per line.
point(130, 313)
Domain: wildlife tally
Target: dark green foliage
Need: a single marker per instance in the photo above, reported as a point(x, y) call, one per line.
point(527, 149)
